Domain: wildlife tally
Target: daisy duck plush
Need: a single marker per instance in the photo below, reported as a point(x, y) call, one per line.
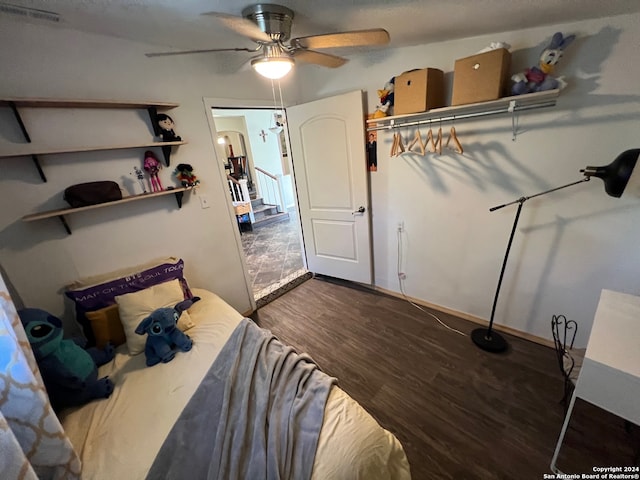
point(540, 78)
point(386, 97)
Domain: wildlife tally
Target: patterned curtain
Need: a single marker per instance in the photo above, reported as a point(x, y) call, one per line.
point(33, 444)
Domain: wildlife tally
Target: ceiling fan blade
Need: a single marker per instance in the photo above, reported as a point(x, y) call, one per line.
point(355, 38)
point(317, 58)
point(208, 50)
point(242, 26)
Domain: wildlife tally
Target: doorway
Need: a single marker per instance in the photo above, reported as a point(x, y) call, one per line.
point(253, 146)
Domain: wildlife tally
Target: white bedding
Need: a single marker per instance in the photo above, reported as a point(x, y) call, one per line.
point(119, 437)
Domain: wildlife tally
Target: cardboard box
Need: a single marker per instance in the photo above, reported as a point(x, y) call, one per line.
point(418, 91)
point(482, 77)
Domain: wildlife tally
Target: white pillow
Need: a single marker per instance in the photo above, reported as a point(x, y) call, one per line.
point(135, 307)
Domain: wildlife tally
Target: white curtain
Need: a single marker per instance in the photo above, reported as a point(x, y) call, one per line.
point(33, 444)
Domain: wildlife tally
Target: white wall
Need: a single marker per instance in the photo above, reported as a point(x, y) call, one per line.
point(233, 128)
point(236, 126)
point(265, 153)
point(569, 244)
point(39, 258)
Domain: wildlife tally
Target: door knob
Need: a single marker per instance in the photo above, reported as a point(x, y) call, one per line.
point(360, 210)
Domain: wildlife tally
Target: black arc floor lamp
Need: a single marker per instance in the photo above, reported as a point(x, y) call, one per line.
point(616, 176)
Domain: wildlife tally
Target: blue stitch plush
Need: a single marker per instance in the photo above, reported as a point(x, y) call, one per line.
point(69, 372)
point(163, 337)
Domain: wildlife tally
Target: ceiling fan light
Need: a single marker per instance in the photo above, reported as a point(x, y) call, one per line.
point(272, 67)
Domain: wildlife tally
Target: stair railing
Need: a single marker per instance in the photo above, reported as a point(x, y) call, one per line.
point(270, 188)
point(240, 195)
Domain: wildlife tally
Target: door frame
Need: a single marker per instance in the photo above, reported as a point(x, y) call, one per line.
point(211, 103)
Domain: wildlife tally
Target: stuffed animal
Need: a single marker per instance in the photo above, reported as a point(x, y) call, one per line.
point(69, 372)
point(538, 79)
point(386, 96)
point(166, 125)
point(185, 174)
point(152, 166)
point(163, 337)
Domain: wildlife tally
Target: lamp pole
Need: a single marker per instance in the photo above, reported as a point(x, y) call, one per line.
point(486, 338)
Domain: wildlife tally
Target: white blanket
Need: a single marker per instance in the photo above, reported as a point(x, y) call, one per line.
point(119, 437)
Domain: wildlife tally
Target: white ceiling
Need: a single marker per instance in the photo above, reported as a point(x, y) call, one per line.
point(178, 23)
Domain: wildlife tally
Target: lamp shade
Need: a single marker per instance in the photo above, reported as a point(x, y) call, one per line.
point(617, 174)
point(272, 67)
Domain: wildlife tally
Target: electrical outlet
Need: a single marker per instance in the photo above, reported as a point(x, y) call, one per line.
point(204, 201)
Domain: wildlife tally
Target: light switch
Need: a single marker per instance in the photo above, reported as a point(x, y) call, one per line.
point(204, 201)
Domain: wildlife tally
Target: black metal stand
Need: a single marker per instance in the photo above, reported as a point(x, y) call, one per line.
point(25, 134)
point(179, 196)
point(486, 338)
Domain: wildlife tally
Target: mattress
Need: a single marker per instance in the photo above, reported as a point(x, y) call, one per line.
point(119, 437)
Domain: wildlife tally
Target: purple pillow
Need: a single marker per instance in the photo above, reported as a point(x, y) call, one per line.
point(95, 297)
point(102, 295)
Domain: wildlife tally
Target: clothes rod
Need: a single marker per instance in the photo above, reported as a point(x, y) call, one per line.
point(452, 117)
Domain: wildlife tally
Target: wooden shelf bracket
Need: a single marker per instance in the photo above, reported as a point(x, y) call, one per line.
point(179, 196)
point(25, 134)
point(166, 152)
point(64, 223)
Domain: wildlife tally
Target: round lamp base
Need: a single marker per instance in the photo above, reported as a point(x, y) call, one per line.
point(491, 342)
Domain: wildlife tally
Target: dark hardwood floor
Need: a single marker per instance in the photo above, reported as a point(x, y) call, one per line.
point(459, 412)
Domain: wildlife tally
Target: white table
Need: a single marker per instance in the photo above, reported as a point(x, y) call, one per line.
point(610, 375)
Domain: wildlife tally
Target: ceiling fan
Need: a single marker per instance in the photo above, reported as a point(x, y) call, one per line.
point(269, 25)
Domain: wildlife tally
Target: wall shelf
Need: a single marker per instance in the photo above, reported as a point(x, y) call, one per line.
point(60, 213)
point(74, 103)
point(34, 151)
point(28, 149)
point(513, 105)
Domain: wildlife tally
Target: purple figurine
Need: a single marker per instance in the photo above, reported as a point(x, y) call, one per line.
point(153, 166)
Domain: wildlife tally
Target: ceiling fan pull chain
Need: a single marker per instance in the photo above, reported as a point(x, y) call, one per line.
point(277, 126)
point(273, 93)
point(281, 103)
point(275, 107)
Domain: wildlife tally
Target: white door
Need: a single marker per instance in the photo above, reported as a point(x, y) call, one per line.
point(329, 161)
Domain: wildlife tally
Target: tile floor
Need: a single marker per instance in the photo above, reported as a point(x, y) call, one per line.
point(273, 255)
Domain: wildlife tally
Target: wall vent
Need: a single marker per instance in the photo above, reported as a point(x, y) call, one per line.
point(26, 12)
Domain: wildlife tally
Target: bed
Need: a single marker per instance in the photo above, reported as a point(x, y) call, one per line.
point(121, 436)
